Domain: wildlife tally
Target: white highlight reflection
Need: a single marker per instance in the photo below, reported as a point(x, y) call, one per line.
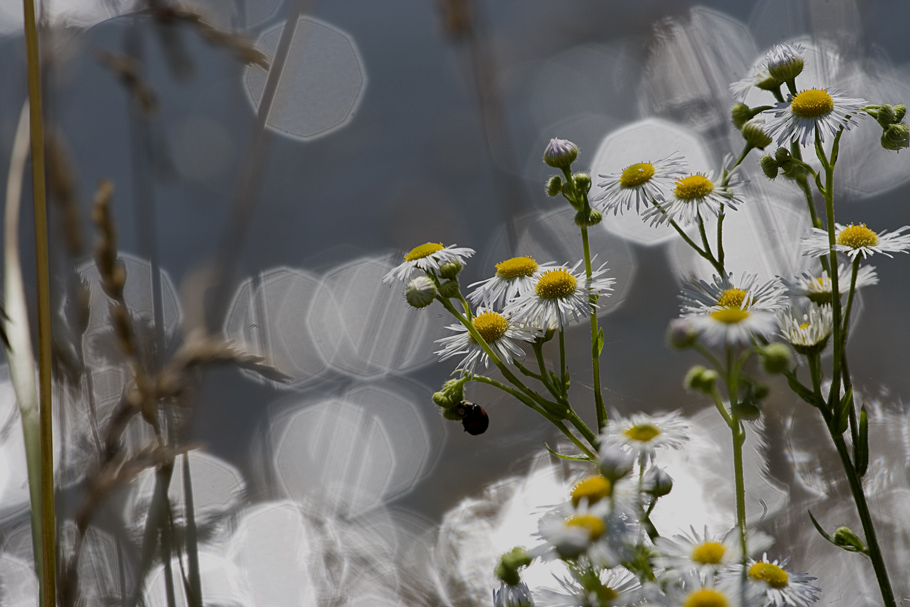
point(320, 85)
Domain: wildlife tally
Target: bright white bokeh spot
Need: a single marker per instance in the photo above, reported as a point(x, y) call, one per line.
point(18, 582)
point(222, 583)
point(690, 68)
point(349, 454)
point(644, 141)
point(269, 317)
point(217, 488)
point(321, 82)
point(75, 14)
point(365, 328)
point(274, 549)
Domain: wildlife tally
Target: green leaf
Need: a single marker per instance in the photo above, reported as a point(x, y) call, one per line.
point(571, 458)
point(861, 451)
point(800, 390)
point(568, 381)
point(842, 416)
point(599, 344)
point(820, 530)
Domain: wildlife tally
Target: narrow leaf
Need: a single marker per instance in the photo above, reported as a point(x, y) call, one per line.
point(572, 458)
point(820, 530)
point(599, 344)
point(842, 416)
point(861, 450)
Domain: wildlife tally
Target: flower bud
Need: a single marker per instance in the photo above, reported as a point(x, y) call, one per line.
point(769, 84)
point(657, 482)
point(899, 111)
point(884, 115)
point(782, 155)
point(615, 462)
point(700, 379)
point(420, 292)
point(441, 399)
point(560, 153)
point(776, 358)
point(586, 218)
point(846, 539)
point(450, 288)
point(760, 391)
point(554, 186)
point(582, 182)
point(681, 333)
point(896, 137)
point(741, 114)
point(754, 134)
point(747, 410)
point(784, 62)
point(769, 167)
point(450, 269)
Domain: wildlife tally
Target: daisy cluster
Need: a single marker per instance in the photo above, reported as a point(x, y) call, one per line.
point(614, 556)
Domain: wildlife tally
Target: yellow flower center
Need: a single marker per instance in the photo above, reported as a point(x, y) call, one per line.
point(516, 268)
point(732, 298)
point(556, 284)
point(642, 432)
point(770, 573)
point(636, 175)
point(593, 525)
point(855, 237)
point(706, 597)
point(693, 187)
point(593, 488)
point(812, 104)
point(424, 250)
point(491, 326)
point(730, 316)
point(607, 594)
point(804, 326)
point(709, 553)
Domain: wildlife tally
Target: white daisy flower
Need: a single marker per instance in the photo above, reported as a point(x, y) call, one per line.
point(807, 332)
point(697, 591)
point(733, 326)
point(757, 77)
point(560, 294)
point(690, 197)
point(780, 586)
point(571, 536)
point(798, 118)
point(618, 587)
point(856, 240)
point(784, 62)
point(640, 184)
point(514, 277)
point(728, 292)
point(496, 329)
point(818, 288)
point(705, 553)
point(427, 257)
point(643, 434)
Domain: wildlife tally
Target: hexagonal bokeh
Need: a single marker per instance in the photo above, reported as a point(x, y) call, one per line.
point(347, 454)
point(217, 488)
point(644, 141)
point(321, 81)
point(365, 328)
point(269, 317)
point(553, 236)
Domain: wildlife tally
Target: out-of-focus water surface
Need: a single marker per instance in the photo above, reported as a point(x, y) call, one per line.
point(266, 206)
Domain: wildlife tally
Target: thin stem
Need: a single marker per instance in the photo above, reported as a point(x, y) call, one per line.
point(36, 125)
point(862, 508)
point(562, 360)
point(595, 349)
point(739, 438)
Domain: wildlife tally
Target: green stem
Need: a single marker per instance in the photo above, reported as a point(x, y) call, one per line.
point(562, 360)
point(48, 524)
point(595, 350)
point(862, 508)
